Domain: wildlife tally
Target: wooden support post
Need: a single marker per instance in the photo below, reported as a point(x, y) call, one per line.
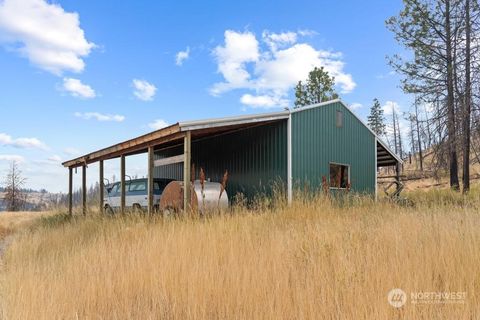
point(84, 189)
point(122, 184)
point(70, 190)
point(150, 180)
point(186, 171)
point(397, 176)
point(102, 185)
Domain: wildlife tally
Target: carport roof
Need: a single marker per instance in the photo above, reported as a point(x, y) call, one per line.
point(174, 133)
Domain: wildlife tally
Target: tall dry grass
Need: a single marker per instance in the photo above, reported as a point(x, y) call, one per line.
point(314, 260)
point(10, 222)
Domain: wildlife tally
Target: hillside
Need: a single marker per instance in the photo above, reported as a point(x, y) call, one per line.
point(36, 200)
point(429, 178)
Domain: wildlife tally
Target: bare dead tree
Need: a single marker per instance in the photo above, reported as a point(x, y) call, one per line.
point(467, 102)
point(14, 181)
point(419, 140)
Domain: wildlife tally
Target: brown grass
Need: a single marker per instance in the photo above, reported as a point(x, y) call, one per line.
point(312, 260)
point(428, 180)
point(11, 222)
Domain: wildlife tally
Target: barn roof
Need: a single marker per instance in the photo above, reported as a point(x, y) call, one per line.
point(201, 128)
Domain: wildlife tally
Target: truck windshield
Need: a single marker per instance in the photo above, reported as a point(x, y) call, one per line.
point(114, 189)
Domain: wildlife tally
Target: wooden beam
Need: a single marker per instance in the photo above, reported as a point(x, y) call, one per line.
point(401, 176)
point(150, 180)
point(386, 157)
point(169, 160)
point(386, 164)
point(84, 189)
point(136, 149)
point(186, 171)
point(122, 184)
point(102, 185)
point(129, 146)
point(70, 191)
point(142, 148)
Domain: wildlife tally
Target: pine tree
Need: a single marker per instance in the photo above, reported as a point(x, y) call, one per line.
point(317, 88)
point(430, 30)
point(376, 119)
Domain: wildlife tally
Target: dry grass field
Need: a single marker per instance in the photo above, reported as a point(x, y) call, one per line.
point(11, 222)
point(313, 260)
point(14, 221)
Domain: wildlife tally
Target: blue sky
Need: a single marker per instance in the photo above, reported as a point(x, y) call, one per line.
point(77, 76)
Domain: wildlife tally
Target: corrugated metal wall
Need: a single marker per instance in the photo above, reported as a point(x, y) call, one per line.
point(254, 157)
point(172, 171)
point(316, 141)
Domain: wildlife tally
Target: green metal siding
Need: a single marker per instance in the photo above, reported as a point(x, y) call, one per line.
point(255, 158)
point(171, 171)
point(316, 142)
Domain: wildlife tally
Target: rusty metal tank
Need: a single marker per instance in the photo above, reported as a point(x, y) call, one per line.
point(201, 200)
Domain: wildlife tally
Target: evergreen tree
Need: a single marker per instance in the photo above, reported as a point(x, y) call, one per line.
point(317, 88)
point(376, 119)
point(431, 31)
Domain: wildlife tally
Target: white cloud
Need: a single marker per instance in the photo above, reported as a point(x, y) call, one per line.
point(143, 90)
point(71, 151)
point(263, 101)
point(55, 158)
point(44, 33)
point(99, 116)
point(29, 143)
point(290, 65)
point(24, 143)
point(307, 33)
point(158, 124)
point(181, 56)
point(77, 89)
point(275, 70)
point(5, 139)
point(355, 106)
point(389, 106)
point(239, 49)
point(11, 157)
point(278, 40)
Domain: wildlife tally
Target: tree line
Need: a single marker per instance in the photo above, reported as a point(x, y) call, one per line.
point(440, 70)
point(17, 198)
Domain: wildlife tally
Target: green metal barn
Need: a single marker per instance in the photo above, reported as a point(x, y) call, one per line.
point(291, 148)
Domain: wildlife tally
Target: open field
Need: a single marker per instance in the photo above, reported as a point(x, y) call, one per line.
point(11, 222)
point(312, 260)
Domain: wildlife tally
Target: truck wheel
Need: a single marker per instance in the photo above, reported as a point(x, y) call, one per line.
point(137, 208)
